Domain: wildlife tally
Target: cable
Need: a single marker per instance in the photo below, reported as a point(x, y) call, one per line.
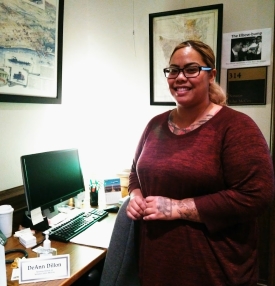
point(8, 261)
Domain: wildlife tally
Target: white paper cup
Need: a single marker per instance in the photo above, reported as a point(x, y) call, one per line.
point(6, 215)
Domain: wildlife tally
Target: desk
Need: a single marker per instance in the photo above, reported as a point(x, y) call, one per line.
point(82, 258)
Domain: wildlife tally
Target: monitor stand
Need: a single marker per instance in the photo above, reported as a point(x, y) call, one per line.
point(54, 210)
point(47, 214)
point(27, 223)
point(50, 212)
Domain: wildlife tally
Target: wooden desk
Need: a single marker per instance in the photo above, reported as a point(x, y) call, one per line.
point(82, 258)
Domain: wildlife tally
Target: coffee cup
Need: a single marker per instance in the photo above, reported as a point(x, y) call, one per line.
point(6, 215)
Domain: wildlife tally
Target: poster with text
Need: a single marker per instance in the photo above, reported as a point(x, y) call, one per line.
point(246, 48)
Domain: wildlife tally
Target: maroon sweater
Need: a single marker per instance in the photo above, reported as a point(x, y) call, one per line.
point(226, 167)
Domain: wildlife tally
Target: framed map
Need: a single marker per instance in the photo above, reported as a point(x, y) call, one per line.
point(168, 29)
point(31, 34)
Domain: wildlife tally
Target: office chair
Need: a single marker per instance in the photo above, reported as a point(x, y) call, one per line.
point(121, 262)
point(92, 277)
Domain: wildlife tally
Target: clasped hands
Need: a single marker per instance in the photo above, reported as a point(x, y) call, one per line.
point(150, 208)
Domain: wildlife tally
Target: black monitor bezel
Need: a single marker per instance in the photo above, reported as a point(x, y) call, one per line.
point(48, 205)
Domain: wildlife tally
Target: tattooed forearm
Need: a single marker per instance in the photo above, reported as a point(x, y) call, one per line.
point(164, 205)
point(187, 210)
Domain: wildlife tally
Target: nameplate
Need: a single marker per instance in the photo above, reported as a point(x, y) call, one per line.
point(44, 268)
point(247, 86)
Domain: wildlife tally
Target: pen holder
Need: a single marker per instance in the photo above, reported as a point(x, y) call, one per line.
point(93, 197)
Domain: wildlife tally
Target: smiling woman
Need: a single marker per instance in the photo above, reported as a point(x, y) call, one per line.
point(191, 79)
point(192, 188)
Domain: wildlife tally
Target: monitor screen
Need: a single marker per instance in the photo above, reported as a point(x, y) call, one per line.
point(50, 178)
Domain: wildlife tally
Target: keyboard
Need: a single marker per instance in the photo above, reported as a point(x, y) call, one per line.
point(72, 226)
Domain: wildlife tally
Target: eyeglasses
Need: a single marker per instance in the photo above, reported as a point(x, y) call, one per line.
point(190, 71)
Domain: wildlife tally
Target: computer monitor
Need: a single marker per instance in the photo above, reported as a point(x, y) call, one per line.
point(51, 178)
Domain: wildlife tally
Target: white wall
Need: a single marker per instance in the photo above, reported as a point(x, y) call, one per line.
point(105, 102)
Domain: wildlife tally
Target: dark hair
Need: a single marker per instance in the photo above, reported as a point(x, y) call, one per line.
point(236, 42)
point(216, 93)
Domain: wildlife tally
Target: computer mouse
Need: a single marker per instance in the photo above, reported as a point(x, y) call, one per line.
point(112, 209)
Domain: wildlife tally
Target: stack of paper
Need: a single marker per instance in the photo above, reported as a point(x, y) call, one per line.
point(28, 240)
point(98, 235)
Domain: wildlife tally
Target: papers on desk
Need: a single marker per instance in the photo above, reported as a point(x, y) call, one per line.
point(97, 235)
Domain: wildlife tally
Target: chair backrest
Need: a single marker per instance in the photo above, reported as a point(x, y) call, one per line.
point(121, 262)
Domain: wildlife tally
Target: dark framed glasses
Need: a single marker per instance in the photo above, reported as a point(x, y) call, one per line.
point(190, 71)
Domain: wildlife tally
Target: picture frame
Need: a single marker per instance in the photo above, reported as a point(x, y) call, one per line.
point(31, 51)
point(168, 29)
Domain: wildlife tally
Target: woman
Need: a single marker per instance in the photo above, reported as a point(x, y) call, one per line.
point(201, 176)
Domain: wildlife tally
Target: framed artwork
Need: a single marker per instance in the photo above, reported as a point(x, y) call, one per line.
point(168, 29)
point(31, 34)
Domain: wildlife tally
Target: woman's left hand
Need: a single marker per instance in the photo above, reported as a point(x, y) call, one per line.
point(163, 208)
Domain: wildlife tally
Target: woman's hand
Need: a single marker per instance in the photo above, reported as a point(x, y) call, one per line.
point(158, 207)
point(162, 208)
point(136, 205)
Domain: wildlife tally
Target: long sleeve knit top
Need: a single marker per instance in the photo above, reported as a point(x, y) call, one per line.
point(226, 167)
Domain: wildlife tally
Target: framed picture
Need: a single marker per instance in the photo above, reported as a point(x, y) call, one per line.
point(31, 51)
point(168, 29)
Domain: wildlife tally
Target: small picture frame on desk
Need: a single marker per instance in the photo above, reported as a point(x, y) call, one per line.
point(112, 190)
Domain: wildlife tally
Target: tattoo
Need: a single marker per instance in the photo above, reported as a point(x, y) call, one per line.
point(177, 130)
point(164, 206)
point(187, 210)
